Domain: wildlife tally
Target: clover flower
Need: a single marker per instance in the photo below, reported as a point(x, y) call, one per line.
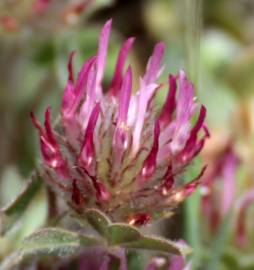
point(219, 186)
point(112, 149)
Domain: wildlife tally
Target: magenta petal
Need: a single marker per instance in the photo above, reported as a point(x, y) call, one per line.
point(149, 164)
point(117, 78)
point(87, 154)
point(102, 194)
point(168, 180)
point(176, 263)
point(192, 146)
point(68, 98)
point(170, 104)
point(83, 76)
point(185, 109)
point(77, 196)
point(74, 94)
point(49, 147)
point(154, 63)
point(139, 219)
point(141, 99)
point(125, 95)
point(189, 188)
point(186, 190)
point(229, 172)
point(102, 55)
point(199, 123)
point(121, 132)
point(48, 128)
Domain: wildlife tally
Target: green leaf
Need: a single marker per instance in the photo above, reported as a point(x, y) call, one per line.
point(119, 233)
point(160, 244)
point(97, 220)
point(15, 210)
point(19, 204)
point(49, 241)
point(55, 241)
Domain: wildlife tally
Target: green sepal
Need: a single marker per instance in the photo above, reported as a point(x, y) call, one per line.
point(160, 245)
point(120, 233)
point(98, 221)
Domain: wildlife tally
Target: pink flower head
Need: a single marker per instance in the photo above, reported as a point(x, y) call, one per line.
point(219, 187)
point(40, 6)
point(112, 149)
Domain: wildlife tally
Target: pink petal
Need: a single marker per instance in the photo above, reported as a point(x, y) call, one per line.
point(91, 98)
point(154, 64)
point(102, 194)
point(121, 133)
point(176, 263)
point(83, 76)
point(139, 219)
point(125, 95)
point(147, 87)
point(48, 128)
point(184, 111)
point(143, 96)
point(77, 196)
point(183, 192)
point(116, 82)
point(168, 180)
point(229, 171)
point(102, 55)
point(170, 103)
point(192, 147)
point(149, 164)
point(73, 94)
point(49, 147)
point(87, 154)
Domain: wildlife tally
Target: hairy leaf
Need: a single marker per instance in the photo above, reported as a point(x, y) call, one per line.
point(55, 241)
point(159, 244)
point(119, 233)
point(97, 220)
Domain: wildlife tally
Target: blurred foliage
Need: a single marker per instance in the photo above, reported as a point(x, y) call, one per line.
point(215, 44)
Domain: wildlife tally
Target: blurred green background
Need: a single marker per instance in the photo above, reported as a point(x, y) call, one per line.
point(213, 40)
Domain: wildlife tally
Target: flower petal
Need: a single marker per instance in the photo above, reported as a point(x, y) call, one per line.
point(102, 55)
point(87, 154)
point(116, 82)
point(149, 164)
point(121, 132)
point(184, 111)
point(49, 147)
point(143, 96)
point(170, 104)
point(154, 64)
